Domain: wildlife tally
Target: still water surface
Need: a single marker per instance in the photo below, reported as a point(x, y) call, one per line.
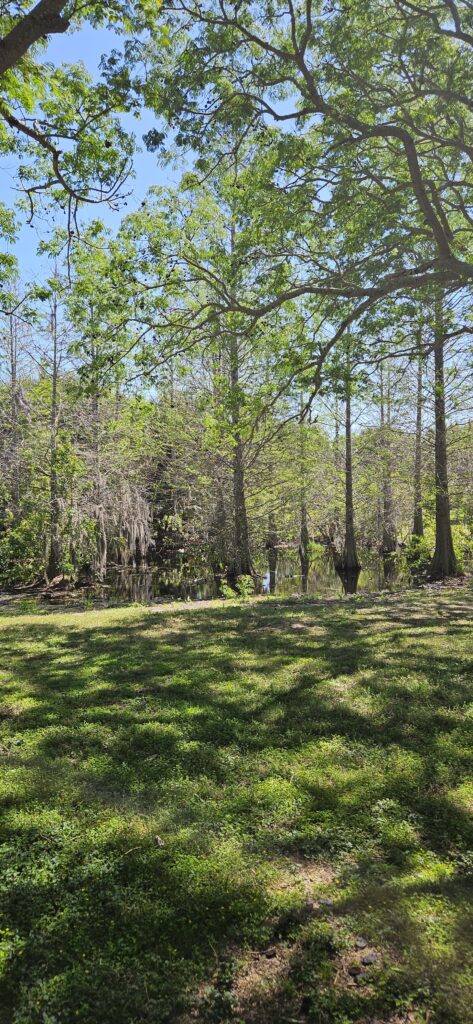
point(150, 586)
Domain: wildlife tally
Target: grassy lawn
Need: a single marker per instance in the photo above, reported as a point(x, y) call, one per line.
point(218, 813)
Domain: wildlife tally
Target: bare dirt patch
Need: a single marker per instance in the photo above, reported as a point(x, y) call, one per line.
point(261, 987)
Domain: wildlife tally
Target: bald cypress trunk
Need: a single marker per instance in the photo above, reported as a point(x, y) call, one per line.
point(14, 424)
point(304, 557)
point(243, 565)
point(241, 559)
point(242, 562)
point(350, 555)
point(272, 549)
point(304, 537)
point(54, 559)
point(389, 535)
point(444, 561)
point(100, 563)
point(218, 534)
point(418, 522)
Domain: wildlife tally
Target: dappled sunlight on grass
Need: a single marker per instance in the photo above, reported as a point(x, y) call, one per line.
point(179, 784)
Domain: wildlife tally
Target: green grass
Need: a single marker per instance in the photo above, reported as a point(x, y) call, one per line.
point(202, 808)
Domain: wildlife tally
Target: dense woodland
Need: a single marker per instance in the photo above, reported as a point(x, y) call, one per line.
point(199, 464)
point(272, 358)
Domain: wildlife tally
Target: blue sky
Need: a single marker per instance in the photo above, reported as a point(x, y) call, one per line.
point(87, 45)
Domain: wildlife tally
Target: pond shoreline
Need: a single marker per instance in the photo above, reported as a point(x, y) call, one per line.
point(79, 597)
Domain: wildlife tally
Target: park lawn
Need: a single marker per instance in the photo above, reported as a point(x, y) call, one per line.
point(216, 813)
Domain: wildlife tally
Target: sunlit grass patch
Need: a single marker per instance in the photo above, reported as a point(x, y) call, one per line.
point(205, 809)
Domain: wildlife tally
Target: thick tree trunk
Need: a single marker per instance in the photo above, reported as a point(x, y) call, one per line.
point(444, 562)
point(44, 19)
point(349, 567)
point(418, 522)
point(304, 557)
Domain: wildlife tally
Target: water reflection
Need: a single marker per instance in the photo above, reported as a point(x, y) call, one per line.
point(349, 579)
point(146, 586)
point(150, 586)
point(325, 581)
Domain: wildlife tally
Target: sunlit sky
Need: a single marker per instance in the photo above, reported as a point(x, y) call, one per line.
point(87, 45)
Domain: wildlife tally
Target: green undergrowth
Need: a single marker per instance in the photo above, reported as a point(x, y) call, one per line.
point(186, 788)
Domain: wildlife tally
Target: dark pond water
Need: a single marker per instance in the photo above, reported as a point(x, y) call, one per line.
point(150, 586)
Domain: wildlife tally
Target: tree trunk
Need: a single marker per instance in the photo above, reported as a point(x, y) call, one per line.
point(15, 429)
point(44, 19)
point(304, 549)
point(444, 561)
point(338, 453)
point(389, 535)
point(242, 562)
point(350, 555)
point(54, 559)
point(242, 557)
point(100, 564)
point(304, 538)
point(418, 522)
point(272, 549)
point(218, 533)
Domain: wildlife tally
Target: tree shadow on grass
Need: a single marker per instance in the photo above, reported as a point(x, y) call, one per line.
point(172, 762)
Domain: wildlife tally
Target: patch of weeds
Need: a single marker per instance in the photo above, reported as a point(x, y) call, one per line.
point(28, 606)
point(244, 588)
point(218, 1001)
point(418, 556)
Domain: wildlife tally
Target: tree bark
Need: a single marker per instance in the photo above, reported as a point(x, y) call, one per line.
point(100, 565)
point(218, 533)
point(15, 427)
point(389, 534)
point(243, 565)
point(54, 559)
point(304, 537)
point(272, 549)
point(44, 20)
point(418, 522)
point(304, 558)
point(350, 555)
point(242, 561)
point(444, 561)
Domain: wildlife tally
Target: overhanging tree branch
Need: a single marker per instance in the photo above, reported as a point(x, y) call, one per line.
point(45, 19)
